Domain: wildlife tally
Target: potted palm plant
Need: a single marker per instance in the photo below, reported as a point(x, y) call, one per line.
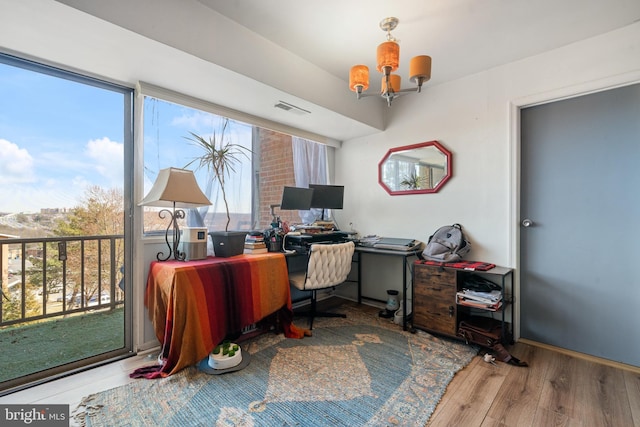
point(221, 157)
point(412, 181)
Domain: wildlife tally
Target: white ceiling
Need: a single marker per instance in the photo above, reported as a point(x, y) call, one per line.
point(300, 52)
point(462, 36)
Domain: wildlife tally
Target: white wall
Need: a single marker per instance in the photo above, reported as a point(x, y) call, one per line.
point(473, 118)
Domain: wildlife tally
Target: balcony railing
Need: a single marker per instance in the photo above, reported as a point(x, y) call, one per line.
point(57, 276)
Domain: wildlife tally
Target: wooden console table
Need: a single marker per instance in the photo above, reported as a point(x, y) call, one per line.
point(193, 305)
point(435, 307)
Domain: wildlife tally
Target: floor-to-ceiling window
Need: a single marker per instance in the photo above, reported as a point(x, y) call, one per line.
point(65, 143)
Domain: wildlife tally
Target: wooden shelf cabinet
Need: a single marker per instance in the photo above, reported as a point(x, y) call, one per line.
point(434, 298)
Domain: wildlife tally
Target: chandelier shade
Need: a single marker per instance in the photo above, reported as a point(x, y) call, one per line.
point(359, 78)
point(388, 57)
point(388, 61)
point(394, 84)
point(420, 69)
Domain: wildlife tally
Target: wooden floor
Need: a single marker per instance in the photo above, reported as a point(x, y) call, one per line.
point(555, 390)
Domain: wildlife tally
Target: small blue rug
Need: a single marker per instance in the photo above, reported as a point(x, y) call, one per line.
point(359, 371)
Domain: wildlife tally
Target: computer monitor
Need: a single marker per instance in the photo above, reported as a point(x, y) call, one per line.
point(327, 197)
point(296, 198)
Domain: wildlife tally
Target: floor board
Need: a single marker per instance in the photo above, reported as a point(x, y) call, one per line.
point(513, 404)
point(632, 383)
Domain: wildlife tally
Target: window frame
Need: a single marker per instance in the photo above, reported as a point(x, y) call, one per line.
point(144, 90)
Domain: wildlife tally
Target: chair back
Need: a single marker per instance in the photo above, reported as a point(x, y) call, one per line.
point(329, 264)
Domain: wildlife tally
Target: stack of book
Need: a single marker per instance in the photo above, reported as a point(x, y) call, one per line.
point(491, 301)
point(254, 243)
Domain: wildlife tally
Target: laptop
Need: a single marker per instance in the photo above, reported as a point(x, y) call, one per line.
point(396, 244)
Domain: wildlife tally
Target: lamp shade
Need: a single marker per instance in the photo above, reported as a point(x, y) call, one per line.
point(388, 56)
point(177, 186)
point(359, 76)
point(394, 82)
point(420, 69)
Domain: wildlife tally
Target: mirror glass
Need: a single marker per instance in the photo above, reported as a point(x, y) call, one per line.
point(415, 169)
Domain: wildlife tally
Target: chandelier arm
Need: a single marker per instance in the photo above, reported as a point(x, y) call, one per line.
point(389, 96)
point(396, 93)
point(365, 95)
point(411, 90)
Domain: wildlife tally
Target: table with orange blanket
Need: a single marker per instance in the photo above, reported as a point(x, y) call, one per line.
point(193, 305)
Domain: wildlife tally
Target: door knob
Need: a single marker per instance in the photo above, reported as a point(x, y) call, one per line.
point(527, 222)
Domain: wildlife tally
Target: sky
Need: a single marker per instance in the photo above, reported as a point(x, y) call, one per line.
point(58, 137)
point(167, 143)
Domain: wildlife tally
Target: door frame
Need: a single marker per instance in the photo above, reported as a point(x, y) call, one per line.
point(515, 106)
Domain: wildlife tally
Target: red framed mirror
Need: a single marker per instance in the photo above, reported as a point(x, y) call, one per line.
point(415, 169)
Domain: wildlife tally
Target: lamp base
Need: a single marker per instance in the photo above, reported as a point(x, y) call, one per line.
point(174, 246)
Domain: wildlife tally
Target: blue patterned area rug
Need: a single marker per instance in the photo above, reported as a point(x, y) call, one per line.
point(359, 371)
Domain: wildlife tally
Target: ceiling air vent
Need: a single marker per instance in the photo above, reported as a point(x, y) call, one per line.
point(292, 108)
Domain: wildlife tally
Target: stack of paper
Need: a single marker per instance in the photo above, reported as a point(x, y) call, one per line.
point(369, 240)
point(485, 300)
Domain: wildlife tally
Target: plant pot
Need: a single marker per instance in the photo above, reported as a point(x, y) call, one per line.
point(228, 243)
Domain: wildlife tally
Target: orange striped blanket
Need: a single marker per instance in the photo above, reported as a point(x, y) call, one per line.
point(194, 305)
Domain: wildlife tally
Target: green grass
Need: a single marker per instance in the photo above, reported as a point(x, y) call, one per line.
point(31, 348)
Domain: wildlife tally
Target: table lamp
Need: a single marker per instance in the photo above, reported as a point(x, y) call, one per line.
point(174, 188)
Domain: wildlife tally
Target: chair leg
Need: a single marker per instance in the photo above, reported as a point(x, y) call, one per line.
point(312, 313)
point(313, 309)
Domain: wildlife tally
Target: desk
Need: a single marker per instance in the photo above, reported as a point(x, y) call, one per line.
point(193, 305)
point(360, 250)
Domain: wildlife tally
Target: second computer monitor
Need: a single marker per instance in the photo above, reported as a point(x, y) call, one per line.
point(327, 197)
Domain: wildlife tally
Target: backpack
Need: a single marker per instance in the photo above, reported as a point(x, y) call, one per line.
point(447, 244)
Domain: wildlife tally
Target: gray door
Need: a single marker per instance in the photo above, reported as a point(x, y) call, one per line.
point(580, 281)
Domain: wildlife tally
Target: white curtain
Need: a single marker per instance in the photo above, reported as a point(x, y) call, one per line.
point(309, 167)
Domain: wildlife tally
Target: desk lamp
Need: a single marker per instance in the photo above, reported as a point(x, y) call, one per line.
point(174, 188)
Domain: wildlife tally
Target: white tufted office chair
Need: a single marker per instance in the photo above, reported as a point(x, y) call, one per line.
point(328, 266)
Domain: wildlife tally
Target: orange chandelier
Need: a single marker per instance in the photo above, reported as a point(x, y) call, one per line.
point(388, 60)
